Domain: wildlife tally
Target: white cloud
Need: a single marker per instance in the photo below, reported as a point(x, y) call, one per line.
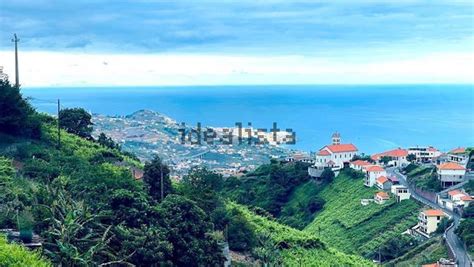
point(66, 69)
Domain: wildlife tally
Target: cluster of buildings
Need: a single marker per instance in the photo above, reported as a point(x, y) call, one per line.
point(451, 166)
point(456, 199)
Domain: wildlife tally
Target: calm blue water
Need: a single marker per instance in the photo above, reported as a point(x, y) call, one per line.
point(374, 118)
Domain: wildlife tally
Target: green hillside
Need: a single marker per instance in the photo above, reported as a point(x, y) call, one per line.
point(428, 252)
point(347, 225)
point(298, 248)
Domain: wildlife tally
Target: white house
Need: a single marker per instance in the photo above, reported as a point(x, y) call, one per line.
point(299, 157)
point(398, 157)
point(424, 154)
point(335, 155)
point(381, 197)
point(454, 198)
point(458, 155)
point(450, 173)
point(359, 164)
point(401, 192)
point(429, 220)
point(372, 172)
point(383, 183)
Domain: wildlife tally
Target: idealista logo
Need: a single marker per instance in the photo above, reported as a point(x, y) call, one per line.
point(237, 135)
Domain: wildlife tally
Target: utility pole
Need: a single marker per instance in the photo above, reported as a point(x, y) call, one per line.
point(17, 79)
point(59, 125)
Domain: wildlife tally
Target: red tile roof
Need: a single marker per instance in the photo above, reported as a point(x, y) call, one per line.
point(455, 192)
point(458, 150)
point(382, 179)
point(451, 166)
point(342, 148)
point(382, 195)
point(433, 213)
point(391, 153)
point(374, 168)
point(360, 162)
point(430, 265)
point(323, 152)
point(466, 198)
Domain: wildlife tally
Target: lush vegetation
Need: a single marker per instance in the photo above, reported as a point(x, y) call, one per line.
point(76, 121)
point(273, 188)
point(464, 231)
point(283, 245)
point(81, 198)
point(469, 187)
point(17, 116)
point(357, 229)
point(424, 253)
point(423, 177)
point(303, 205)
point(16, 255)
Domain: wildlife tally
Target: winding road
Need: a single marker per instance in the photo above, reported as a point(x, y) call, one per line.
point(453, 241)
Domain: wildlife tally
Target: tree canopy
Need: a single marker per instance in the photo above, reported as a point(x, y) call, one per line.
point(17, 115)
point(76, 121)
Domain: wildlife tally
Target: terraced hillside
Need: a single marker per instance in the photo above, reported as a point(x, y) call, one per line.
point(297, 247)
point(347, 225)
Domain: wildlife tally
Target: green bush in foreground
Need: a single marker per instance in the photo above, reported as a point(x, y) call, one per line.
point(16, 255)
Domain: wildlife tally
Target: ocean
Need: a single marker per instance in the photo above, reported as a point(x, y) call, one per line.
point(373, 117)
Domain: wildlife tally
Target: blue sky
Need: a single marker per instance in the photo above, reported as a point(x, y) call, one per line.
point(335, 32)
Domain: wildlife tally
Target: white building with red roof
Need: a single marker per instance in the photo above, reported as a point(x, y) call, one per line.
point(398, 157)
point(383, 183)
point(454, 198)
point(336, 154)
point(458, 155)
point(372, 173)
point(381, 197)
point(424, 154)
point(359, 164)
point(450, 173)
point(429, 220)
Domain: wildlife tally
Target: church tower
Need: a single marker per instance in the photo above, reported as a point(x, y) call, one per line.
point(336, 138)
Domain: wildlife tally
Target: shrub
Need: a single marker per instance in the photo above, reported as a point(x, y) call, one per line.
point(16, 255)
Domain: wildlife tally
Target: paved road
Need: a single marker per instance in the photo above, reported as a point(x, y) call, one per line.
point(451, 238)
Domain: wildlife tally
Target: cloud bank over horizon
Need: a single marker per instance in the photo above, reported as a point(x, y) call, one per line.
point(148, 42)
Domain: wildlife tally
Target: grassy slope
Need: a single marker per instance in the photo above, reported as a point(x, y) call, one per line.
point(295, 254)
point(347, 225)
point(420, 176)
point(427, 252)
point(293, 212)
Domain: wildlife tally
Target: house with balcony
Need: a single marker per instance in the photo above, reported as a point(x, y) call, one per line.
point(424, 154)
point(450, 173)
point(372, 172)
point(428, 221)
point(458, 155)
